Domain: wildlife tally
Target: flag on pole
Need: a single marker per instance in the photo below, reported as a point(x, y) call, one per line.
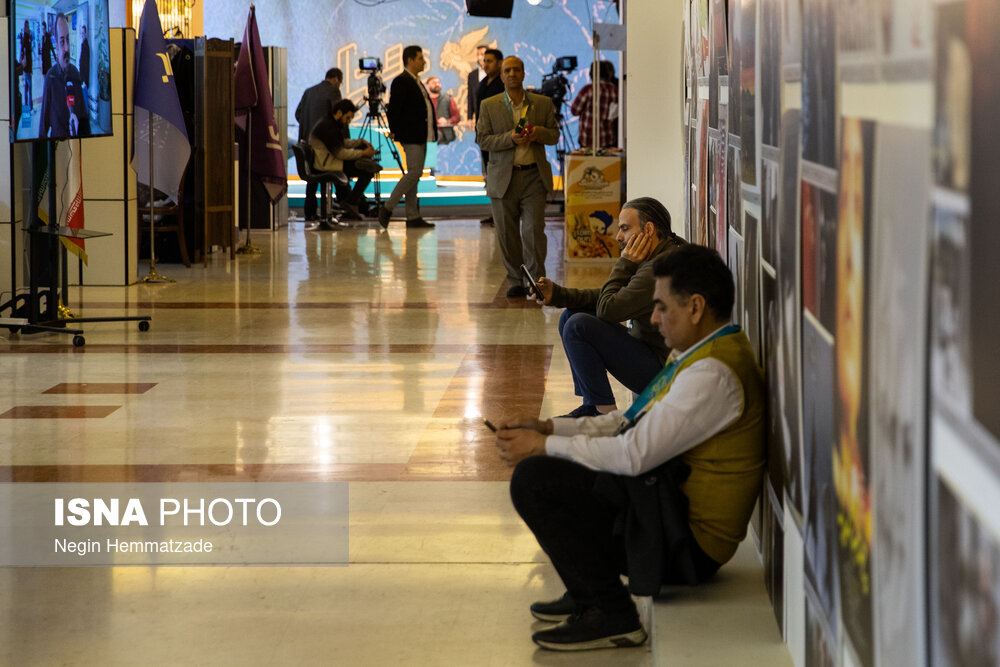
point(72, 215)
point(253, 101)
point(156, 100)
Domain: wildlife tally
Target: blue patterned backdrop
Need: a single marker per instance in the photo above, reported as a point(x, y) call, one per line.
point(335, 33)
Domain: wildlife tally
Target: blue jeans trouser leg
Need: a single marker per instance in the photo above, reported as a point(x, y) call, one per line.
point(595, 348)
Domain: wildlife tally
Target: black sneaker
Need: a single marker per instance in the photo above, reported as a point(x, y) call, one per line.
point(583, 411)
point(486, 221)
point(419, 223)
point(592, 629)
point(554, 611)
point(517, 291)
point(383, 216)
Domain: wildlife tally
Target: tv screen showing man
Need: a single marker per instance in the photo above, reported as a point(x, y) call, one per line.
point(61, 99)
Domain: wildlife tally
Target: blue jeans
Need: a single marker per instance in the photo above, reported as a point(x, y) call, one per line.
point(595, 348)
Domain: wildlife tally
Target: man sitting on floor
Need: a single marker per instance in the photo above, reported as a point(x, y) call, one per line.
point(595, 341)
point(662, 492)
point(352, 156)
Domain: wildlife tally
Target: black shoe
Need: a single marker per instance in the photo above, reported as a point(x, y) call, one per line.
point(419, 223)
point(486, 221)
point(583, 411)
point(592, 629)
point(554, 611)
point(517, 291)
point(351, 212)
point(383, 216)
point(329, 225)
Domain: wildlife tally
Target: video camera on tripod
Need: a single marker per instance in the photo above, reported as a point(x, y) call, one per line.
point(376, 87)
point(555, 85)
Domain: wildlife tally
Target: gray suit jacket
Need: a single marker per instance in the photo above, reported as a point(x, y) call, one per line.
point(493, 134)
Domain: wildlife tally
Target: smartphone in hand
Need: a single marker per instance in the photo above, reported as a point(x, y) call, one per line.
point(531, 281)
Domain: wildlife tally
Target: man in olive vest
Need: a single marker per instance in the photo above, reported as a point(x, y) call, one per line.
point(662, 492)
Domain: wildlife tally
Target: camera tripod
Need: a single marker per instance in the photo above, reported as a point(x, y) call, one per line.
point(566, 142)
point(375, 124)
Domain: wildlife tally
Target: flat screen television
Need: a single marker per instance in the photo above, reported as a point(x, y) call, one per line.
point(60, 65)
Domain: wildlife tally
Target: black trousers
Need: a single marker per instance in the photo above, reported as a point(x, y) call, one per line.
point(353, 196)
point(310, 207)
point(576, 528)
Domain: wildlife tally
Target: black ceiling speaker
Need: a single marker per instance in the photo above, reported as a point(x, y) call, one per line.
point(497, 8)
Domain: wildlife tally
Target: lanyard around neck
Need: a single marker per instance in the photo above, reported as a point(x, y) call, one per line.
point(510, 106)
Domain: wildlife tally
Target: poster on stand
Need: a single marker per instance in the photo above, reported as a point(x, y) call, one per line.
point(593, 192)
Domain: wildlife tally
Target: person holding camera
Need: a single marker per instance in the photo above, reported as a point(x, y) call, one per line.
point(316, 104)
point(413, 123)
point(514, 128)
point(352, 156)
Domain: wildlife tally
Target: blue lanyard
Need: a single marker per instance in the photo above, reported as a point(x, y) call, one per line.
point(666, 376)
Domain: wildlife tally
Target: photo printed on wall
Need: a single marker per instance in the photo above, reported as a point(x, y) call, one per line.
point(819, 82)
point(769, 186)
point(966, 587)
point(770, 309)
point(819, 250)
point(786, 349)
point(719, 65)
point(820, 540)
point(734, 259)
point(821, 643)
point(720, 198)
point(773, 547)
point(751, 283)
point(897, 403)
point(715, 185)
point(704, 153)
point(950, 359)
point(770, 71)
point(748, 90)
point(791, 41)
point(734, 198)
point(851, 460)
point(704, 59)
point(984, 44)
point(857, 40)
point(906, 39)
point(953, 99)
point(735, 66)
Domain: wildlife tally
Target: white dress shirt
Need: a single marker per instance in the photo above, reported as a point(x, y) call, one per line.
point(705, 398)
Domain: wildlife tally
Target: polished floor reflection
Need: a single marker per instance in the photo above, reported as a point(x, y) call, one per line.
point(362, 356)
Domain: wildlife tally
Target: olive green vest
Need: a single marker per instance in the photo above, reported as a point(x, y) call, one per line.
point(726, 469)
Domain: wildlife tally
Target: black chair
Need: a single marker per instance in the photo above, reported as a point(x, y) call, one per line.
point(304, 157)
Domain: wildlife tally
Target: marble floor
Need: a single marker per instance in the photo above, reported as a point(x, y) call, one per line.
point(359, 356)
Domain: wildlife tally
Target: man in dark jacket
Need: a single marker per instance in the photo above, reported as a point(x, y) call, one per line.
point(64, 109)
point(316, 104)
point(412, 122)
point(595, 341)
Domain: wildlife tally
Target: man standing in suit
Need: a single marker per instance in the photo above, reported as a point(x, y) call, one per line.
point(514, 128)
point(488, 87)
point(472, 85)
point(413, 123)
point(316, 104)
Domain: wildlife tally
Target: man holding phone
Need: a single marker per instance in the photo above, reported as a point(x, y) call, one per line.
point(514, 128)
point(595, 341)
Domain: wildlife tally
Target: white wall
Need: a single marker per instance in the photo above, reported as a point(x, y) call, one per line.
point(654, 104)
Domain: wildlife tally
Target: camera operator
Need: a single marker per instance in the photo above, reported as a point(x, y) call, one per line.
point(316, 104)
point(583, 106)
point(412, 123)
point(352, 156)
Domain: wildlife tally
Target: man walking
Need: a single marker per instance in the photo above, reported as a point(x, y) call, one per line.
point(412, 123)
point(316, 104)
point(514, 128)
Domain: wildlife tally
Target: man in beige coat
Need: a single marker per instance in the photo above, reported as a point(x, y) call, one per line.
point(514, 128)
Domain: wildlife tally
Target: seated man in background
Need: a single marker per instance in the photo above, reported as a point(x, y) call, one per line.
point(595, 341)
point(352, 156)
point(663, 492)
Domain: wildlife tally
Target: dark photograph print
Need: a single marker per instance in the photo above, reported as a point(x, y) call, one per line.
point(773, 377)
point(751, 282)
point(819, 250)
point(851, 462)
point(735, 66)
point(748, 90)
point(966, 583)
point(951, 383)
point(769, 186)
point(821, 642)
point(819, 82)
point(820, 540)
point(984, 43)
point(770, 71)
